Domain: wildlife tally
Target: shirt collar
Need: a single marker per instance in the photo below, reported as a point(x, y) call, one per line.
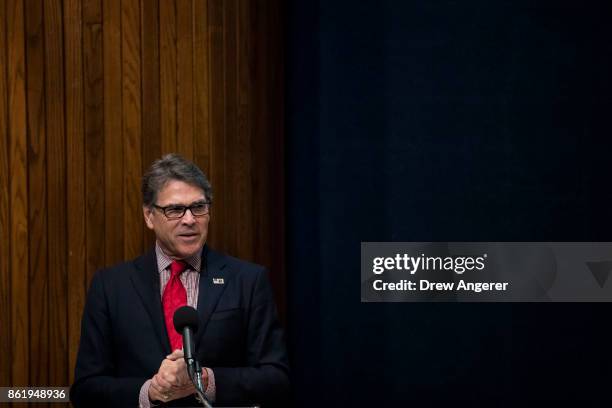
point(163, 261)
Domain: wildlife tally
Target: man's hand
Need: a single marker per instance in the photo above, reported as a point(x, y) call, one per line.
point(172, 380)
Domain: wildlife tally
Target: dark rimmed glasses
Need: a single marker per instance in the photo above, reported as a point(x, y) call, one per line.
point(174, 212)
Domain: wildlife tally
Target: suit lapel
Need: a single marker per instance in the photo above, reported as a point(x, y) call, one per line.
point(209, 292)
point(146, 283)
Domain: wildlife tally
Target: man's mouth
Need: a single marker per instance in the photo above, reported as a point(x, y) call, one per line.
point(188, 234)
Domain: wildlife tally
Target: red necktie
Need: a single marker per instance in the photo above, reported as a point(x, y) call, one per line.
point(174, 297)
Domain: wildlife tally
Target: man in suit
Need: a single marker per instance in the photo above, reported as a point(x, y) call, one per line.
point(130, 354)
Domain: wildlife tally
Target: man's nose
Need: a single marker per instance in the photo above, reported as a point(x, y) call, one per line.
point(188, 218)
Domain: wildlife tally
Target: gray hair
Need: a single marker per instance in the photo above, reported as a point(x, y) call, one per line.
point(172, 167)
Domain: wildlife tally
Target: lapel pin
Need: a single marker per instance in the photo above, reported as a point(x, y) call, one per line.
point(218, 281)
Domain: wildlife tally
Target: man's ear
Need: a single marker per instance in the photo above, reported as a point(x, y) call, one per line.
point(148, 214)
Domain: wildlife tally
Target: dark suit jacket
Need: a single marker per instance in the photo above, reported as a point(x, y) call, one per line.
point(124, 338)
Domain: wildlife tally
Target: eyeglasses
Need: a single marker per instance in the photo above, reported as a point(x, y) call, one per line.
point(174, 212)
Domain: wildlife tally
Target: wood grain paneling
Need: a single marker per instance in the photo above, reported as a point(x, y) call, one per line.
point(268, 113)
point(167, 74)
point(93, 91)
point(56, 193)
point(75, 168)
point(230, 132)
point(132, 113)
point(151, 146)
point(18, 200)
point(242, 177)
point(38, 276)
point(94, 137)
point(5, 281)
point(113, 130)
point(217, 119)
point(184, 78)
point(201, 100)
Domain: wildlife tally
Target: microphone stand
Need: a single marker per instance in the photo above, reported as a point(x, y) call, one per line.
point(195, 373)
point(188, 322)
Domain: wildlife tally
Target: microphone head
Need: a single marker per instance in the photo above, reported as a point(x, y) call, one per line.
point(185, 316)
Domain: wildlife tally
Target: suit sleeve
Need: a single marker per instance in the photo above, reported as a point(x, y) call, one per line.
point(95, 381)
point(266, 378)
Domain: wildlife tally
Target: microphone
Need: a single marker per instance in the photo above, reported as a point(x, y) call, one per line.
point(186, 323)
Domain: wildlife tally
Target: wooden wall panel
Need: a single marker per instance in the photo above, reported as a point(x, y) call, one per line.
point(75, 168)
point(217, 121)
point(242, 177)
point(91, 92)
point(5, 281)
point(131, 79)
point(184, 78)
point(231, 161)
point(113, 131)
point(56, 193)
point(167, 75)
point(18, 200)
point(266, 21)
point(151, 146)
point(201, 99)
point(38, 276)
point(94, 137)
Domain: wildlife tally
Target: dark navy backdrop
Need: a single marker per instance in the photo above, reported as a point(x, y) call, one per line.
point(444, 121)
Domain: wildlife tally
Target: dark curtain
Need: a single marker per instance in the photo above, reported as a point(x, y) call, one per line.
point(444, 121)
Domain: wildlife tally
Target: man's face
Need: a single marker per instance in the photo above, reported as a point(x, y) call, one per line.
point(182, 237)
